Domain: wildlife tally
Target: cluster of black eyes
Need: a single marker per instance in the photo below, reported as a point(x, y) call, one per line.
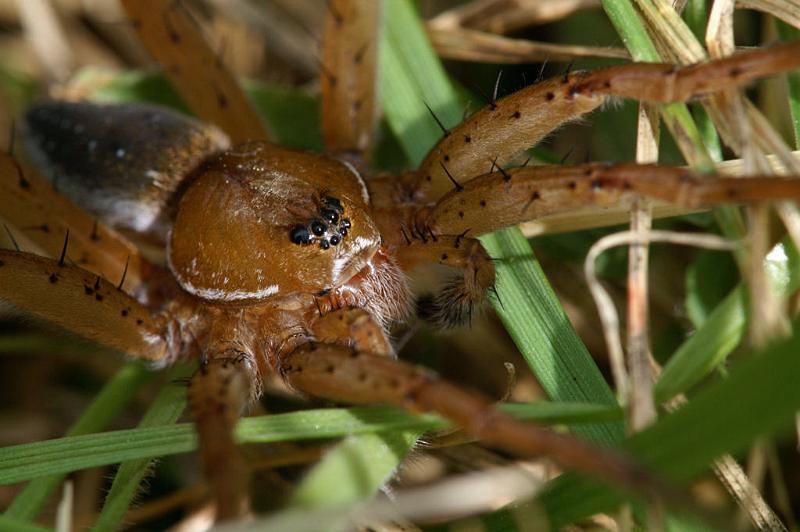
point(323, 229)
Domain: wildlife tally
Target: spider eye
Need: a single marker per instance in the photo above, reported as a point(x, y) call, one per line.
point(324, 244)
point(333, 203)
point(346, 223)
point(335, 239)
point(300, 235)
point(330, 216)
point(318, 228)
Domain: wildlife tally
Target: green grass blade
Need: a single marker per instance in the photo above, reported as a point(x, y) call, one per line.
point(788, 33)
point(10, 524)
point(759, 398)
point(626, 21)
point(111, 400)
point(165, 410)
point(353, 470)
point(63, 455)
point(708, 347)
point(410, 77)
point(723, 329)
point(540, 328)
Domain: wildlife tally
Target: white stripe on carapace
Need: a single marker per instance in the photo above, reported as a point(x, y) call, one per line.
point(364, 191)
point(217, 294)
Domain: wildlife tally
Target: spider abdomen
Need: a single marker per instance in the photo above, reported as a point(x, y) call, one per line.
point(123, 162)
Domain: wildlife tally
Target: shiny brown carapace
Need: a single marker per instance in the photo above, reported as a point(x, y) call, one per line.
point(292, 264)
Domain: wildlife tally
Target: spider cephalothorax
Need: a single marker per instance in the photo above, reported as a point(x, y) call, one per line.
point(288, 263)
point(237, 227)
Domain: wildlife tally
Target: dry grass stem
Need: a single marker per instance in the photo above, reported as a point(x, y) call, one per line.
point(471, 45)
point(738, 484)
point(65, 507)
point(505, 16)
point(641, 407)
point(283, 35)
point(457, 497)
point(605, 305)
point(786, 10)
point(47, 38)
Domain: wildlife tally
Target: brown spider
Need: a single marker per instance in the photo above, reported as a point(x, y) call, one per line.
point(289, 263)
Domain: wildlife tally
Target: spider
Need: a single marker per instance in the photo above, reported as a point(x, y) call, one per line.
point(288, 263)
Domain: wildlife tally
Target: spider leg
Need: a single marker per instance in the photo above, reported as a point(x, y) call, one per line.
point(499, 199)
point(454, 304)
point(218, 392)
point(174, 40)
point(87, 304)
point(43, 216)
point(348, 65)
point(500, 131)
point(341, 374)
point(354, 328)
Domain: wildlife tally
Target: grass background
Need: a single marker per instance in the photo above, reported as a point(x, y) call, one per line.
point(754, 398)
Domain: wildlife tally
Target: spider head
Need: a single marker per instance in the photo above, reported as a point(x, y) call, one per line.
point(262, 221)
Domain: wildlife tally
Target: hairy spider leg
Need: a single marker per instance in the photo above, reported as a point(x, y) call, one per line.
point(343, 374)
point(43, 216)
point(197, 71)
point(218, 392)
point(499, 199)
point(86, 304)
point(347, 67)
point(503, 129)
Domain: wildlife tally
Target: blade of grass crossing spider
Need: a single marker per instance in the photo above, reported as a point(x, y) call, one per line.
point(759, 398)
point(354, 470)
point(540, 328)
point(24, 462)
point(165, 410)
point(411, 76)
point(411, 72)
point(105, 407)
point(353, 480)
